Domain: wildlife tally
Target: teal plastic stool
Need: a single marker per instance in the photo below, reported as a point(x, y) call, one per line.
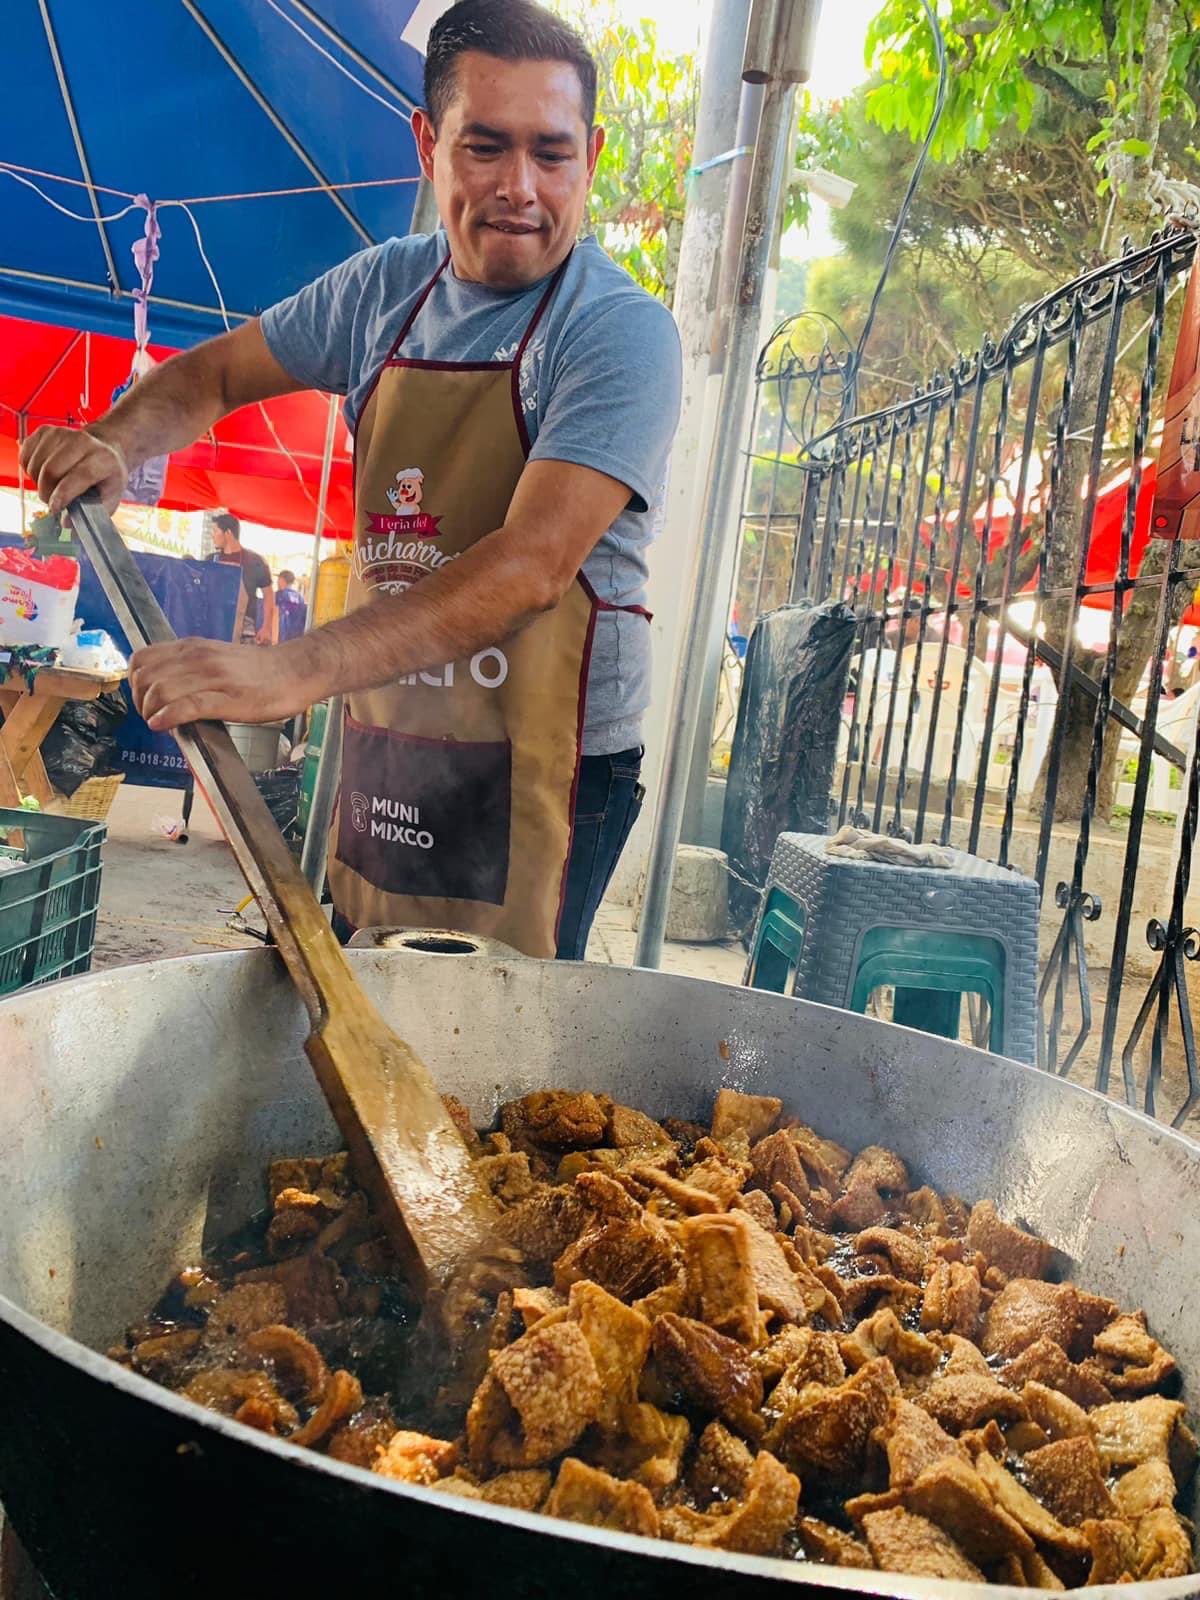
point(778, 944)
point(835, 929)
point(930, 973)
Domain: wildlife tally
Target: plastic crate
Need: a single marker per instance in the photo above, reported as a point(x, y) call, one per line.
point(48, 904)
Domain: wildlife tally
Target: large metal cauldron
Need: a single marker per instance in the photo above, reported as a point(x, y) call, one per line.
point(138, 1109)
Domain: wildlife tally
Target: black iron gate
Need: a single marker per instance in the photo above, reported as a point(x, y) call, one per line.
point(1019, 686)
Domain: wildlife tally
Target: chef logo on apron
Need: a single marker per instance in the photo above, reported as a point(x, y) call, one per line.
point(396, 549)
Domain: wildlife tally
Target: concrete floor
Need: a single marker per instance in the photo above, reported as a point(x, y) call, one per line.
point(159, 898)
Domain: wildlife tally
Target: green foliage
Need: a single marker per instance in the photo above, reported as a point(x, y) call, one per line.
point(646, 104)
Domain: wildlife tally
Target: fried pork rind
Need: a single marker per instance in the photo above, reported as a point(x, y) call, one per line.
point(955, 1497)
point(244, 1308)
point(901, 1542)
point(826, 1431)
point(775, 1161)
point(1046, 1362)
point(722, 1465)
point(415, 1458)
point(815, 1359)
point(1026, 1311)
point(830, 1546)
point(1069, 1481)
point(717, 1255)
point(749, 1114)
point(1133, 1362)
point(914, 1442)
point(1056, 1414)
point(967, 1395)
point(1163, 1545)
point(1144, 1489)
point(1010, 1496)
point(555, 1119)
point(248, 1397)
point(1130, 1432)
point(754, 1525)
point(585, 1494)
point(704, 1317)
point(619, 1340)
point(711, 1370)
point(646, 1444)
point(537, 1398)
point(1016, 1253)
point(543, 1226)
point(621, 1247)
point(953, 1299)
point(883, 1335)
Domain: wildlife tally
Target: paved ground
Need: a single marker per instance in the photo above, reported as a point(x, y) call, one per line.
point(159, 898)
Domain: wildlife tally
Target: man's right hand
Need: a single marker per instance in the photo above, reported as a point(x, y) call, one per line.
point(65, 462)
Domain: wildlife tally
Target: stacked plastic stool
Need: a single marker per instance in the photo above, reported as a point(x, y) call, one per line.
point(835, 930)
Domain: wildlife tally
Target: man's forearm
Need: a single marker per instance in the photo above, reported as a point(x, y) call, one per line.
point(484, 597)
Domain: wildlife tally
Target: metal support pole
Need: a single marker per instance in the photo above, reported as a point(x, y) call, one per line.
point(777, 53)
point(322, 498)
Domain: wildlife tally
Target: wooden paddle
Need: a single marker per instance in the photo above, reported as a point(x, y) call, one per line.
point(407, 1153)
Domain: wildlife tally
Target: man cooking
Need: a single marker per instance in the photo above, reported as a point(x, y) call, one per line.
point(513, 396)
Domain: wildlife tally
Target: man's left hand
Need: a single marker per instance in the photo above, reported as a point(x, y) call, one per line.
point(193, 680)
point(263, 636)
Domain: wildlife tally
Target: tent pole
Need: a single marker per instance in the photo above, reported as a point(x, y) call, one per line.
point(315, 849)
point(273, 116)
point(322, 497)
point(22, 435)
point(778, 54)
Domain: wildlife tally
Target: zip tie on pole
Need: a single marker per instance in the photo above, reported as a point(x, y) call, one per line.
point(720, 161)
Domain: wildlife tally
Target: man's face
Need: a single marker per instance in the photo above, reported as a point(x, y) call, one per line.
point(511, 166)
point(220, 539)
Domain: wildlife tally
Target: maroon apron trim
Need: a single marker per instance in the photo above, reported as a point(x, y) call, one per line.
point(585, 668)
point(396, 343)
point(607, 605)
point(518, 408)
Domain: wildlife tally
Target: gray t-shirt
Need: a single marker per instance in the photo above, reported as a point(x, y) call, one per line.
point(600, 385)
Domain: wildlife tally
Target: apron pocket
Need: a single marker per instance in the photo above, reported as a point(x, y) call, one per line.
point(426, 817)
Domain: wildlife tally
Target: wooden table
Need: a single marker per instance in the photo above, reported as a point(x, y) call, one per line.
point(26, 717)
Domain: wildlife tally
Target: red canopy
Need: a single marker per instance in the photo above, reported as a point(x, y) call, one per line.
point(55, 375)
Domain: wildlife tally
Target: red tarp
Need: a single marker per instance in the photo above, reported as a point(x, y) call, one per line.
point(56, 375)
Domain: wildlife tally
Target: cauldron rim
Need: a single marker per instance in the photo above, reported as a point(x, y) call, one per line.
point(101, 1368)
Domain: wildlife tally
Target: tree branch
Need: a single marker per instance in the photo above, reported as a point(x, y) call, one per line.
point(1062, 88)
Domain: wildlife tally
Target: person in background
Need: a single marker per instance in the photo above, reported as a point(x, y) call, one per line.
point(256, 581)
point(291, 610)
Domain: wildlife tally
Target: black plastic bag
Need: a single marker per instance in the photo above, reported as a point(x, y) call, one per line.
point(785, 745)
point(280, 788)
point(83, 744)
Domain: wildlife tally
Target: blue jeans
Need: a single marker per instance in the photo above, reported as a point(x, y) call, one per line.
point(606, 807)
point(607, 804)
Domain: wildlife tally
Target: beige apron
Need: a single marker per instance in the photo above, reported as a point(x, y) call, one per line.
point(458, 784)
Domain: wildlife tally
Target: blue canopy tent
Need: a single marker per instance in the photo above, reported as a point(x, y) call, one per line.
point(302, 104)
point(282, 127)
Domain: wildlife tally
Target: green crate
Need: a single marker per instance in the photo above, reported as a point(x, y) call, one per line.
point(48, 905)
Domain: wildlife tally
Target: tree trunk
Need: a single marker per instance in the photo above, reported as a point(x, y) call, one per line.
point(1062, 572)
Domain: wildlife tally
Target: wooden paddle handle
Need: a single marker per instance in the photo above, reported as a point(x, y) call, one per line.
point(298, 925)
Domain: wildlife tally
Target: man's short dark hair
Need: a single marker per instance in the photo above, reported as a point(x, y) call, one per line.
point(227, 520)
point(512, 30)
point(288, 577)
